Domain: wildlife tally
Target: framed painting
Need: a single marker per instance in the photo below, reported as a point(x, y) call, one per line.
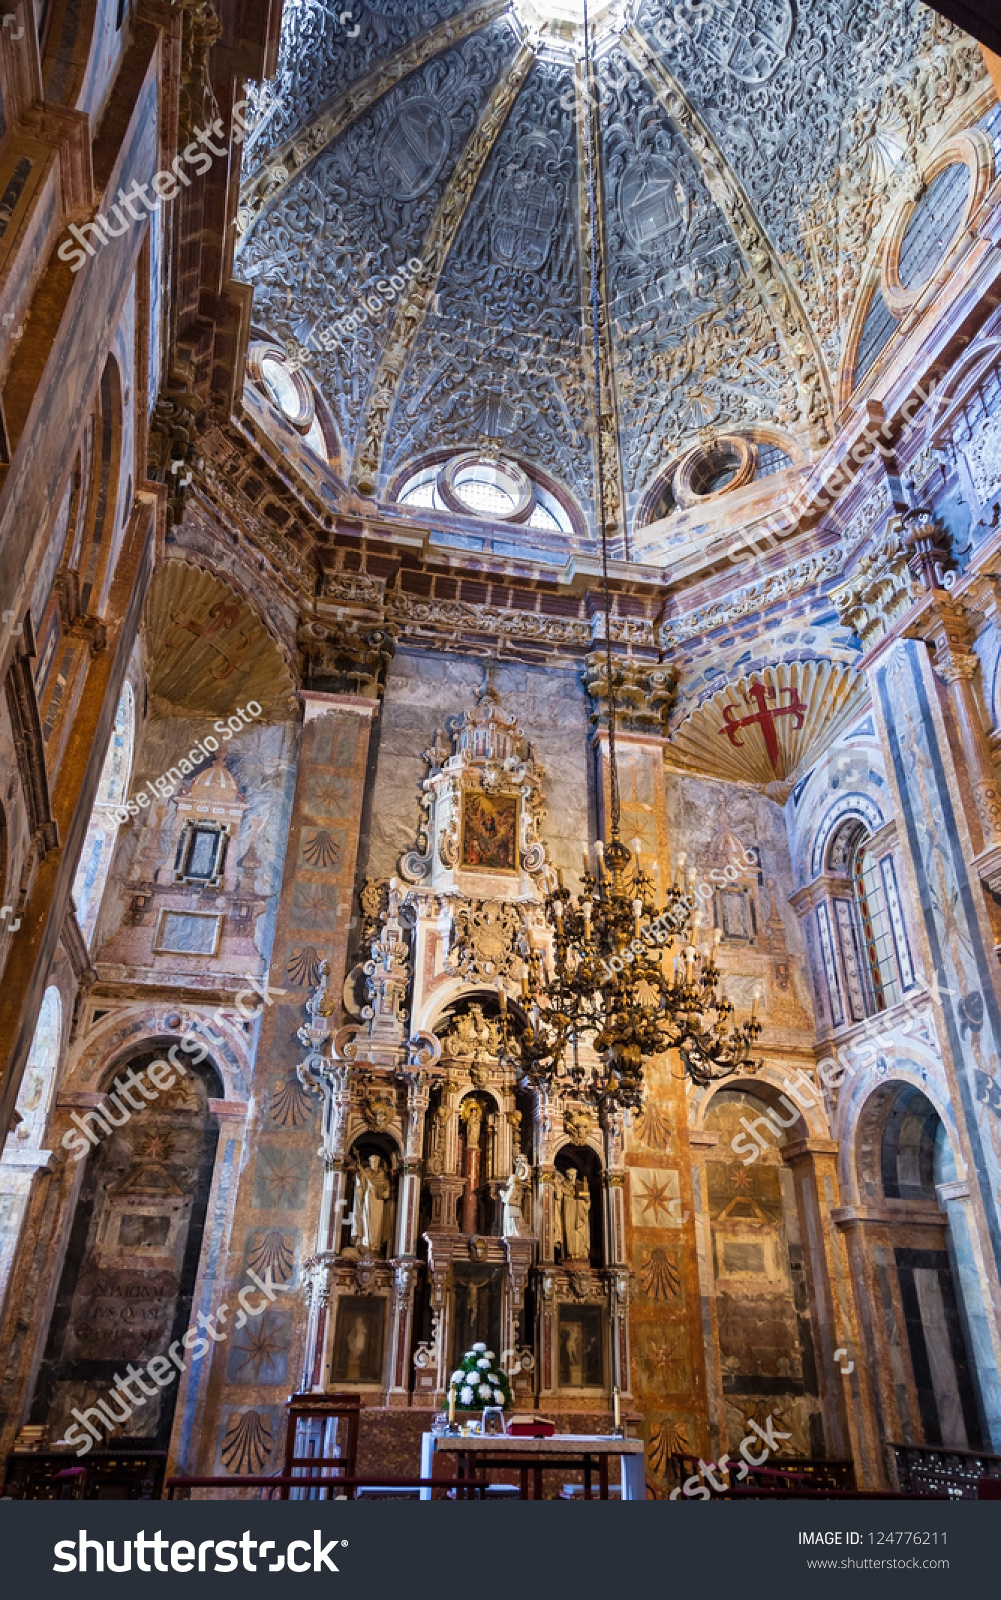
point(489, 839)
point(580, 1354)
point(358, 1339)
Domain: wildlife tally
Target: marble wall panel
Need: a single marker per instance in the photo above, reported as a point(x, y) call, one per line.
point(422, 690)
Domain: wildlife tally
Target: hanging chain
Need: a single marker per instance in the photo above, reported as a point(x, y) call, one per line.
point(613, 771)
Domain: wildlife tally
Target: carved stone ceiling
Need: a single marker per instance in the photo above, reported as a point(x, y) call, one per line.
point(748, 150)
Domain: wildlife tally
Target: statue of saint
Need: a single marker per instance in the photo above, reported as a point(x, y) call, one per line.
point(511, 1200)
point(575, 1208)
point(370, 1214)
point(580, 1250)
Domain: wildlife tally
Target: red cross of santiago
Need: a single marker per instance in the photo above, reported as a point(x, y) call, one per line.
point(765, 716)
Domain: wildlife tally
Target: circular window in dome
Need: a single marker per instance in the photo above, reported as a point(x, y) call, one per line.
point(286, 388)
point(714, 468)
point(495, 489)
point(474, 484)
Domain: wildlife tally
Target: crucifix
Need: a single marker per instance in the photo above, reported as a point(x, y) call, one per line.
point(765, 716)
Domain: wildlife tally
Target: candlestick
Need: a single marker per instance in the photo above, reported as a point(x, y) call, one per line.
point(754, 1007)
point(618, 1409)
point(451, 1404)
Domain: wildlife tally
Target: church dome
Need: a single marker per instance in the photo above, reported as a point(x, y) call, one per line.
point(414, 223)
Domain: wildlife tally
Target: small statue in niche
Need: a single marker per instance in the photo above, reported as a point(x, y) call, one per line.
point(472, 1115)
point(371, 1212)
point(574, 1208)
point(512, 1215)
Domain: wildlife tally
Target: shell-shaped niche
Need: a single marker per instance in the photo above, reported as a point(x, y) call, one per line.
point(209, 651)
point(768, 728)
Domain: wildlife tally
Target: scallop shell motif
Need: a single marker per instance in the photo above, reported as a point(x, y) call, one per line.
point(247, 1443)
point(659, 1277)
point(831, 693)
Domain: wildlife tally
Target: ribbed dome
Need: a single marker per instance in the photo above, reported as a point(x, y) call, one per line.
point(414, 223)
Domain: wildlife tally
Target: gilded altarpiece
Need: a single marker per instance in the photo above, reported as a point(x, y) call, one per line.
point(499, 1212)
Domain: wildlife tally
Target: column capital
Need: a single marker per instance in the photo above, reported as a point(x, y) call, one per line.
point(798, 1148)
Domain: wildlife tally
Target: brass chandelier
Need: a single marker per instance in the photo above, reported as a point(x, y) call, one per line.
point(615, 980)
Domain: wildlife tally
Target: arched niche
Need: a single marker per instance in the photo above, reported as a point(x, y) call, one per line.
point(580, 1167)
point(479, 1115)
point(759, 1265)
point(370, 1205)
point(126, 1287)
point(94, 865)
point(919, 1257)
point(24, 1159)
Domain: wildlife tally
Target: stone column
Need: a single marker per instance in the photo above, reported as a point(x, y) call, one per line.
point(283, 1189)
point(944, 865)
point(957, 666)
point(664, 1355)
point(843, 1373)
point(701, 1142)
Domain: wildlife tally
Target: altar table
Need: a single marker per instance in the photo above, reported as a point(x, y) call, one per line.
point(578, 1452)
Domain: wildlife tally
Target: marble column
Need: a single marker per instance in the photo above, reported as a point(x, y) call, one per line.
point(958, 666)
point(651, 1226)
point(846, 1383)
point(955, 932)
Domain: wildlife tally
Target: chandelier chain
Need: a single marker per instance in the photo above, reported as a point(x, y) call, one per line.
point(591, 102)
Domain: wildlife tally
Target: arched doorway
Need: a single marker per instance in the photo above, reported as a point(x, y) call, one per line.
point(765, 1337)
point(128, 1279)
point(919, 1324)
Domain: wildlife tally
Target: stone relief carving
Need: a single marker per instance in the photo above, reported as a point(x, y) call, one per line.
point(802, 575)
point(477, 372)
point(437, 244)
point(364, 205)
point(346, 657)
point(837, 107)
point(687, 315)
point(471, 1037)
point(644, 693)
point(319, 54)
point(427, 132)
point(483, 940)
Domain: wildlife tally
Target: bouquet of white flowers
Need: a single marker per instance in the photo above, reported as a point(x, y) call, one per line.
point(479, 1381)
